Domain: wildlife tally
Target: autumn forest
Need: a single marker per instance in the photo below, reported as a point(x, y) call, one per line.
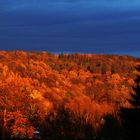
point(65, 96)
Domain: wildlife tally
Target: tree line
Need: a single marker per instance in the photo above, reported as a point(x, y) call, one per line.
point(68, 95)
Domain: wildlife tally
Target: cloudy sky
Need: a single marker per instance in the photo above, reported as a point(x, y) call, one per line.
point(86, 26)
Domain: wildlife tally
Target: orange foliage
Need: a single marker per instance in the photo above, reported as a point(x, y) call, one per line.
point(35, 84)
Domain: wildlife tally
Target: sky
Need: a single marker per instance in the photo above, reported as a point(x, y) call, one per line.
point(84, 26)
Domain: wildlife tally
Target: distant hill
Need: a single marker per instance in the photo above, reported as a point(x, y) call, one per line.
point(65, 95)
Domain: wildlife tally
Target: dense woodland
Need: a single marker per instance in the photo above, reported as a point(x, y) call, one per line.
point(65, 95)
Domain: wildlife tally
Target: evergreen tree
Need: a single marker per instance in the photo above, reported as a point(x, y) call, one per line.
point(131, 116)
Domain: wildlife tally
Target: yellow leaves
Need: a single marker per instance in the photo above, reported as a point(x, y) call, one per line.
point(36, 95)
point(45, 104)
point(5, 70)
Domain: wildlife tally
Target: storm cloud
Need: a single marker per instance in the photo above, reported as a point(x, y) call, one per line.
point(86, 26)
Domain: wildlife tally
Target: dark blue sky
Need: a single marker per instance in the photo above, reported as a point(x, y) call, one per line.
point(86, 26)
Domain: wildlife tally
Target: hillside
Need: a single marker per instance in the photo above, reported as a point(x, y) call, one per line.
point(66, 95)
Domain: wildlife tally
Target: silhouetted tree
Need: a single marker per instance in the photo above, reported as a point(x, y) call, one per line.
point(131, 116)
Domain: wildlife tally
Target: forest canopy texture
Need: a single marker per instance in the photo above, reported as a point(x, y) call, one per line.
point(65, 95)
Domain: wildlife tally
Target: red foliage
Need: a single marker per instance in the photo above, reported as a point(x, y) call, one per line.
point(35, 84)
